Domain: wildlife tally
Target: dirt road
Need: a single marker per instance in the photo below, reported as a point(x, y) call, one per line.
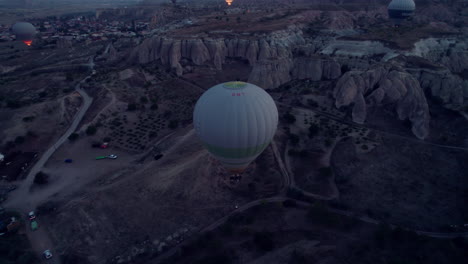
point(23, 202)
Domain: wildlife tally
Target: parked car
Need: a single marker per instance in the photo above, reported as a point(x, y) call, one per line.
point(34, 225)
point(47, 254)
point(31, 215)
point(112, 156)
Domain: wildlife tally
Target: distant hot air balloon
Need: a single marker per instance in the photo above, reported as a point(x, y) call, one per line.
point(229, 2)
point(235, 121)
point(24, 31)
point(400, 10)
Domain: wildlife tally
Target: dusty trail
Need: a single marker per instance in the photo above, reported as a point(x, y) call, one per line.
point(23, 201)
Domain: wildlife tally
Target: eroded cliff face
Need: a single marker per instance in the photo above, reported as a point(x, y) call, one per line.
point(273, 73)
point(450, 89)
point(384, 84)
point(200, 51)
point(452, 53)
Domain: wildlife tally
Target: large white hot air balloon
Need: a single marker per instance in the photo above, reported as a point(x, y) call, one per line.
point(400, 10)
point(24, 31)
point(235, 121)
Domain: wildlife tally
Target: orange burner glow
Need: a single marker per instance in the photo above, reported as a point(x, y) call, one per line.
point(229, 2)
point(27, 42)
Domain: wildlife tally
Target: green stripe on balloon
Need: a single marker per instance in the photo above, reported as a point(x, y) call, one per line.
point(236, 153)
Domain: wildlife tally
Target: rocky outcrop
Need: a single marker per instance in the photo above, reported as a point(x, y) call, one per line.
point(276, 46)
point(450, 89)
point(273, 73)
point(452, 53)
point(384, 84)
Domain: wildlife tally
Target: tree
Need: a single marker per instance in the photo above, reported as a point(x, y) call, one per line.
point(173, 124)
point(264, 241)
point(238, 19)
point(294, 139)
point(131, 107)
point(91, 130)
point(312, 103)
point(313, 130)
point(69, 76)
point(289, 203)
point(290, 119)
point(41, 178)
point(154, 106)
point(13, 104)
point(19, 140)
point(73, 137)
point(325, 172)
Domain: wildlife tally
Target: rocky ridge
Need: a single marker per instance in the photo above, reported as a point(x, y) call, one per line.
point(384, 84)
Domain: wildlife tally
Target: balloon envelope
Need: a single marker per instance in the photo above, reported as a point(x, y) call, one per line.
point(235, 121)
point(399, 10)
point(24, 31)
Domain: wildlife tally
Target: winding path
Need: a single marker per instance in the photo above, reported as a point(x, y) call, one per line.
point(18, 199)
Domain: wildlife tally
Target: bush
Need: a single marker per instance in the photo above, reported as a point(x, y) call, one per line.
point(131, 107)
point(28, 118)
point(325, 172)
point(41, 178)
point(143, 100)
point(173, 124)
point(313, 130)
point(154, 106)
point(19, 140)
point(264, 241)
point(294, 139)
point(290, 119)
point(312, 103)
point(289, 203)
point(73, 137)
point(13, 104)
point(91, 130)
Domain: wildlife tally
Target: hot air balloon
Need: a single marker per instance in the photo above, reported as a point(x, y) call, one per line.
point(235, 121)
point(24, 31)
point(229, 2)
point(400, 10)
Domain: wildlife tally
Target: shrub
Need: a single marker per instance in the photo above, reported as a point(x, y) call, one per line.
point(290, 119)
point(13, 104)
point(41, 178)
point(173, 124)
point(154, 106)
point(313, 130)
point(28, 118)
point(325, 172)
point(264, 241)
point(131, 107)
point(294, 139)
point(91, 130)
point(73, 137)
point(19, 140)
point(289, 203)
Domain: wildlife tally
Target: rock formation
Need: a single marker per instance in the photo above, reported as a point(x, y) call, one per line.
point(169, 51)
point(451, 53)
point(384, 84)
